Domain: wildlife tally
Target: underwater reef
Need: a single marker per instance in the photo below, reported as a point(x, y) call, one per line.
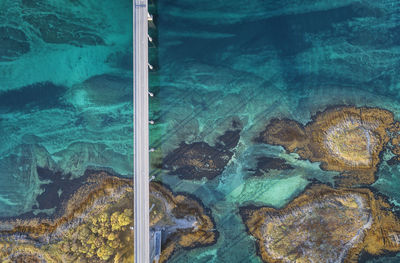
point(65, 96)
point(327, 71)
point(266, 164)
point(199, 159)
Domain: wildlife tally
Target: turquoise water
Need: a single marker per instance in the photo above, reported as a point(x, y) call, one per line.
point(255, 60)
point(65, 94)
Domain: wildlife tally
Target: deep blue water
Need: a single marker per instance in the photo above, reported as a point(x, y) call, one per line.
point(38, 96)
point(255, 60)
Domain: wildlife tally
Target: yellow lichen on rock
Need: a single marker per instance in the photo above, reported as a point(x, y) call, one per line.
point(97, 225)
point(344, 139)
point(84, 232)
point(324, 225)
point(198, 229)
point(100, 237)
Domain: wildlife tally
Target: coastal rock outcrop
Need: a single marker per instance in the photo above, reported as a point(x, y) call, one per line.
point(324, 225)
point(344, 139)
point(94, 223)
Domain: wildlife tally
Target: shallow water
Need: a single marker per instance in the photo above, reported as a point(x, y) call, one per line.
point(65, 94)
point(65, 99)
point(258, 60)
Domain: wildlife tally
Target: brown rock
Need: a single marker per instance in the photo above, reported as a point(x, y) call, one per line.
point(344, 139)
point(171, 207)
point(187, 222)
point(197, 160)
point(324, 225)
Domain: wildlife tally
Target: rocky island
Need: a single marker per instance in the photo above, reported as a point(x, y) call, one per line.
point(199, 159)
point(95, 224)
point(324, 225)
point(344, 139)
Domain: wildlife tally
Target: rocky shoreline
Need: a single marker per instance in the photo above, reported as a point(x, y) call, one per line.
point(197, 227)
point(102, 209)
point(324, 217)
point(347, 221)
point(345, 139)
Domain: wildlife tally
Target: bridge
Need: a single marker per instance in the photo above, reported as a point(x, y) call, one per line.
point(141, 131)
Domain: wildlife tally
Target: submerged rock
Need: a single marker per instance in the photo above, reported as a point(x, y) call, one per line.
point(79, 156)
point(265, 164)
point(102, 90)
point(199, 159)
point(19, 172)
point(53, 28)
point(13, 43)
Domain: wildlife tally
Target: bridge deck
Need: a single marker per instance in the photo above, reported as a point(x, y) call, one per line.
point(141, 132)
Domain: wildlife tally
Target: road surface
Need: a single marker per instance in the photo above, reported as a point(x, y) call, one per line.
point(141, 132)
